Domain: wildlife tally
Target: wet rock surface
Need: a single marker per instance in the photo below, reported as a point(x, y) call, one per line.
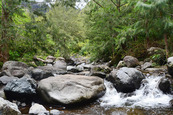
point(70, 89)
point(23, 89)
point(126, 80)
point(78, 87)
point(165, 85)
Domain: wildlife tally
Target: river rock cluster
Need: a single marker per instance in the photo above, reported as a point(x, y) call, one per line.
point(71, 82)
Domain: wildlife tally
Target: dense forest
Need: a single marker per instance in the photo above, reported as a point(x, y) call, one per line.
point(103, 30)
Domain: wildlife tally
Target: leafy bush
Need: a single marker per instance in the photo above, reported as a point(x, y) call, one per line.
point(14, 55)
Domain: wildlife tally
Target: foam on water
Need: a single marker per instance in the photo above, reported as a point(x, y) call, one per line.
point(147, 96)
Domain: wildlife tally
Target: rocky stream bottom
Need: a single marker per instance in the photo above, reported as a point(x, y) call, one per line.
point(147, 100)
point(62, 88)
point(96, 109)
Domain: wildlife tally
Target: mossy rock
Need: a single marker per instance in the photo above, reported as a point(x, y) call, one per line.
point(101, 68)
point(32, 64)
point(157, 55)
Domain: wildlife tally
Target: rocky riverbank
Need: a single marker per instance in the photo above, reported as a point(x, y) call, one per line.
point(63, 83)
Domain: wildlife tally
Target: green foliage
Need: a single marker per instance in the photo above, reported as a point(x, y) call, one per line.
point(57, 54)
point(136, 49)
point(114, 32)
point(64, 28)
point(104, 30)
point(13, 55)
point(107, 28)
point(1, 64)
point(39, 63)
point(36, 32)
point(159, 57)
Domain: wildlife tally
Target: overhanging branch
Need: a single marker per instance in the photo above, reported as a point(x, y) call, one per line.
point(98, 4)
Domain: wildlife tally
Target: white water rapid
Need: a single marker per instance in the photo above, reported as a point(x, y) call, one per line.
point(147, 96)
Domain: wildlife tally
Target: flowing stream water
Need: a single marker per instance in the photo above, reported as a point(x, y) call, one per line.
point(147, 96)
point(147, 100)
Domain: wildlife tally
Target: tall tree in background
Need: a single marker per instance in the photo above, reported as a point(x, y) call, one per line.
point(105, 21)
point(115, 27)
point(8, 9)
point(157, 17)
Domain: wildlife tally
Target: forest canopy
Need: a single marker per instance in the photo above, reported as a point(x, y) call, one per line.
point(103, 30)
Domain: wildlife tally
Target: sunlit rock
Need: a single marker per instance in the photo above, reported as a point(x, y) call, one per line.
point(70, 89)
point(8, 108)
point(37, 109)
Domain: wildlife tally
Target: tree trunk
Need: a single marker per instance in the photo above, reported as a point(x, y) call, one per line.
point(166, 44)
point(148, 41)
point(4, 49)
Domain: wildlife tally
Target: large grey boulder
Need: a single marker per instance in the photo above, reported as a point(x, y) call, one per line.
point(70, 89)
point(126, 80)
point(130, 61)
point(170, 65)
point(23, 89)
point(8, 108)
point(14, 68)
point(37, 109)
